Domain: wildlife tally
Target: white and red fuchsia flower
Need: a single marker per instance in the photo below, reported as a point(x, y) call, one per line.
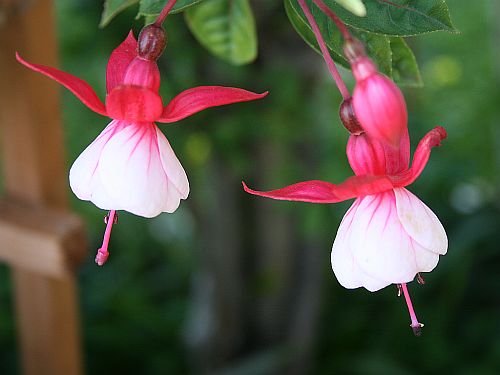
point(388, 236)
point(131, 166)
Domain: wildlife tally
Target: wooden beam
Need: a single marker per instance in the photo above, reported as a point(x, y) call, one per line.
point(41, 245)
point(48, 242)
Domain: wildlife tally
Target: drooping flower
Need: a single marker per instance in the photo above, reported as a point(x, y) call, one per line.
point(131, 166)
point(388, 236)
point(378, 103)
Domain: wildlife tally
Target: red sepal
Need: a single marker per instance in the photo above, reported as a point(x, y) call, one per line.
point(197, 99)
point(324, 192)
point(119, 60)
point(421, 157)
point(77, 86)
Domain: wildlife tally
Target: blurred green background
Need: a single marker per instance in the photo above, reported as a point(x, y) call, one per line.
point(234, 284)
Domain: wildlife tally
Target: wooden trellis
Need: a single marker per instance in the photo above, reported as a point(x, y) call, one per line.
point(39, 239)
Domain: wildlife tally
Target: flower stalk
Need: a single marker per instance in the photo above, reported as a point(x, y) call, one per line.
point(338, 22)
point(324, 50)
point(164, 12)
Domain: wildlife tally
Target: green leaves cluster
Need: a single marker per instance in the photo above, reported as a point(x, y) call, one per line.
point(382, 30)
point(227, 27)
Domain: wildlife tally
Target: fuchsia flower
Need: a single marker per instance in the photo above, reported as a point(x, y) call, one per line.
point(388, 236)
point(131, 166)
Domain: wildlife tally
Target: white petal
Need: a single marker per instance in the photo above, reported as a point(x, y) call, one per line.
point(342, 261)
point(420, 222)
point(173, 168)
point(425, 260)
point(82, 175)
point(131, 171)
point(100, 196)
point(345, 268)
point(380, 245)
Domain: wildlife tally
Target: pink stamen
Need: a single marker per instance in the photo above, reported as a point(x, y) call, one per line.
point(416, 326)
point(103, 253)
point(164, 12)
point(324, 50)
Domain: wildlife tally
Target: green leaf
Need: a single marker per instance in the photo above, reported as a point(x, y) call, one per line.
point(399, 17)
point(377, 46)
point(354, 6)
point(391, 54)
point(154, 7)
point(226, 28)
point(112, 8)
point(404, 65)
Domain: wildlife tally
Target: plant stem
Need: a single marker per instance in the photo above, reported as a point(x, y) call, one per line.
point(341, 26)
point(164, 13)
point(324, 50)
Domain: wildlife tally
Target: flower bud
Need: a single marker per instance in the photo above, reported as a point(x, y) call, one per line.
point(151, 42)
point(348, 118)
point(378, 103)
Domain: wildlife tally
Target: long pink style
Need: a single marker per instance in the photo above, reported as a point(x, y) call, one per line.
point(103, 253)
point(415, 324)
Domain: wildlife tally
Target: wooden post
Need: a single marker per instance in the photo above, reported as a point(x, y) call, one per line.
point(39, 240)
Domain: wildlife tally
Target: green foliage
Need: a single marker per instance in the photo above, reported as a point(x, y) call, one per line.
point(399, 17)
point(147, 8)
point(393, 59)
point(226, 28)
point(404, 64)
point(151, 8)
point(112, 8)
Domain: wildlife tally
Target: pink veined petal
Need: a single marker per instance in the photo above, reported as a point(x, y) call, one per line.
point(172, 167)
point(131, 171)
point(77, 86)
point(197, 99)
point(422, 153)
point(366, 155)
point(398, 159)
point(345, 268)
point(316, 191)
point(420, 222)
point(134, 104)
point(83, 176)
point(380, 245)
point(119, 60)
point(143, 73)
